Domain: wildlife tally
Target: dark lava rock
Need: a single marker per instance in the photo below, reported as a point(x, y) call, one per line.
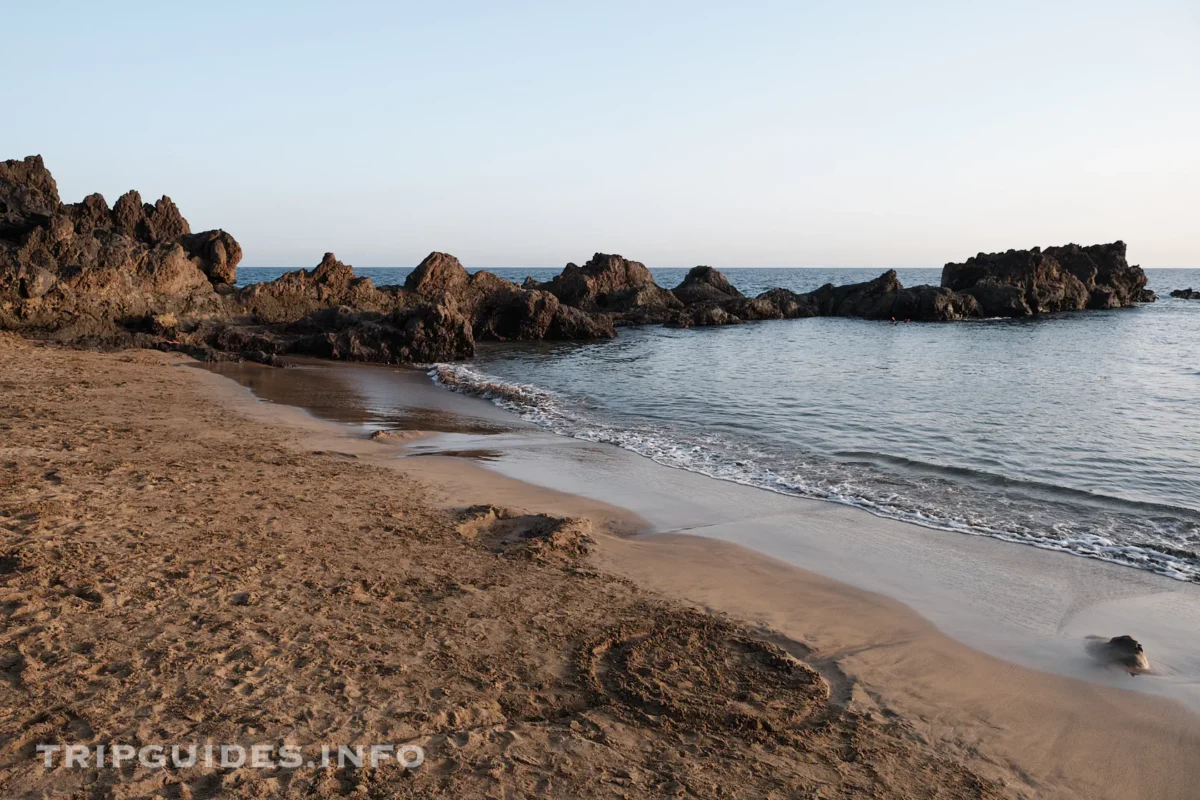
point(28, 196)
point(438, 275)
point(704, 285)
point(1020, 283)
point(1186, 294)
point(703, 316)
point(217, 254)
point(1120, 651)
point(886, 298)
point(297, 294)
point(612, 284)
point(135, 275)
point(789, 304)
point(81, 271)
point(527, 315)
point(425, 334)
point(1102, 268)
point(438, 315)
point(500, 310)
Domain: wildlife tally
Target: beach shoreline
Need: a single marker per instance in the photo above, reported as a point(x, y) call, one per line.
point(1026, 605)
point(289, 508)
point(924, 664)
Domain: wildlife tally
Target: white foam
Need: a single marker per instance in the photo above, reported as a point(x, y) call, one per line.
point(726, 460)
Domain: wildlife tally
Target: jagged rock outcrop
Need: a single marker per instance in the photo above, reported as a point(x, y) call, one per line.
point(439, 314)
point(136, 274)
point(28, 196)
point(1020, 283)
point(77, 270)
point(789, 304)
point(439, 275)
point(614, 285)
point(297, 294)
point(1186, 294)
point(886, 298)
point(703, 316)
point(216, 253)
point(705, 285)
point(423, 334)
point(776, 304)
point(500, 310)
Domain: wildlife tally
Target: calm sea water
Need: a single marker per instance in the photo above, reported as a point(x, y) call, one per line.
point(1077, 432)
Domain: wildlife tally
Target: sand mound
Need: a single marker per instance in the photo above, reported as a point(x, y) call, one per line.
point(538, 536)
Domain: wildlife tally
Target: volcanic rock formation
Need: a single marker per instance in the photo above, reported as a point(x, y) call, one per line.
point(705, 285)
point(75, 270)
point(1020, 283)
point(135, 274)
point(615, 285)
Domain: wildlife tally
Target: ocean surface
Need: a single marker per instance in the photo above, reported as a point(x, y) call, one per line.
point(1076, 432)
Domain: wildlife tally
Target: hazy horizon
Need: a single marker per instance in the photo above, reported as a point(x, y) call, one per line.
point(768, 135)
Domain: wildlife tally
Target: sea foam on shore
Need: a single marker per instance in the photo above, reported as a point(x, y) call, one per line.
point(931, 495)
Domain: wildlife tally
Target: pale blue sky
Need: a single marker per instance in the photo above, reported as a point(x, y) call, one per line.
point(532, 134)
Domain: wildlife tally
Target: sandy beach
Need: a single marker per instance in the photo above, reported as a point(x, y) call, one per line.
point(729, 401)
point(185, 563)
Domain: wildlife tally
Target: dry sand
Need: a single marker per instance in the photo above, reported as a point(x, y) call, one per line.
point(180, 564)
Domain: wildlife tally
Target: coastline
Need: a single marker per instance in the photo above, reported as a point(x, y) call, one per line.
point(1023, 604)
point(182, 572)
point(1003, 718)
point(295, 579)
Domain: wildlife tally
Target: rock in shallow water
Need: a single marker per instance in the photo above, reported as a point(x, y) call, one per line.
point(705, 285)
point(1020, 283)
point(613, 284)
point(1124, 652)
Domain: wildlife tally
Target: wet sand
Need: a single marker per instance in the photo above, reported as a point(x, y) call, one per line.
point(1029, 606)
point(1087, 731)
point(184, 565)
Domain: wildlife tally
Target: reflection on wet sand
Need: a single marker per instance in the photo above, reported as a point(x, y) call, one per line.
point(376, 398)
point(474, 455)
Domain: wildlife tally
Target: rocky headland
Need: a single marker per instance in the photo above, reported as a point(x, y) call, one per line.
point(135, 275)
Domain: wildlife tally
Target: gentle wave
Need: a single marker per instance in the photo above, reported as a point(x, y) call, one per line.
point(718, 457)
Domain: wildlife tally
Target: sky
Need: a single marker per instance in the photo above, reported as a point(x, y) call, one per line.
point(674, 133)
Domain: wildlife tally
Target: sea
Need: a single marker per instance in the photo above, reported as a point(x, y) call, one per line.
point(1071, 432)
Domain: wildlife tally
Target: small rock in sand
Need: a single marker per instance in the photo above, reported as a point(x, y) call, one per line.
point(240, 599)
point(397, 435)
point(1120, 651)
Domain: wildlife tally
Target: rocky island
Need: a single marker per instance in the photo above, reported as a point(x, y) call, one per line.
point(136, 275)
